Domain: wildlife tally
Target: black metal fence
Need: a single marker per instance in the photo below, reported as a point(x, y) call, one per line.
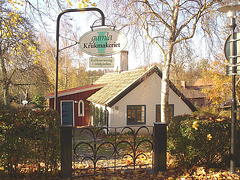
point(108, 150)
point(105, 150)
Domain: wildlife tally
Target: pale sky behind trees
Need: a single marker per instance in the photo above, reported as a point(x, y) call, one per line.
point(137, 57)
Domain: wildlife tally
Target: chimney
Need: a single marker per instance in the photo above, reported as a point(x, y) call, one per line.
point(124, 61)
point(183, 84)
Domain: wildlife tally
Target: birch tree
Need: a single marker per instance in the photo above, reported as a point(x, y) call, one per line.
point(166, 24)
point(18, 50)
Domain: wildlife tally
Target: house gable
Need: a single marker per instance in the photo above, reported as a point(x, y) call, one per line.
point(123, 83)
point(145, 95)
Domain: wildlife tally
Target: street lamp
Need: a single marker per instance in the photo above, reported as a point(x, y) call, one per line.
point(57, 43)
point(65, 131)
point(231, 13)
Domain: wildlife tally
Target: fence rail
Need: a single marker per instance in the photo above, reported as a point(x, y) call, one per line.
point(106, 150)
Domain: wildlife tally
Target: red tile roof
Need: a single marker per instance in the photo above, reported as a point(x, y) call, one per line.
point(202, 82)
point(74, 90)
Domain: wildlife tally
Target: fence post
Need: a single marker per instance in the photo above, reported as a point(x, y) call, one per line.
point(160, 146)
point(66, 151)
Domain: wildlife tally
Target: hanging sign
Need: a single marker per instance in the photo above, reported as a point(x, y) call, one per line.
point(228, 47)
point(101, 62)
point(228, 53)
point(102, 42)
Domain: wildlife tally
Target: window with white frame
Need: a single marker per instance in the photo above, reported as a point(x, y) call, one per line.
point(81, 108)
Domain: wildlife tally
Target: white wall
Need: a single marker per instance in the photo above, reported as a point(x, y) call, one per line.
point(147, 93)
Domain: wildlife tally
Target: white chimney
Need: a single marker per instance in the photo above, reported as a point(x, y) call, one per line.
point(124, 61)
point(184, 84)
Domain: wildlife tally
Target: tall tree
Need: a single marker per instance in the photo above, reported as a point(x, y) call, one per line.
point(18, 50)
point(166, 23)
point(218, 89)
point(72, 66)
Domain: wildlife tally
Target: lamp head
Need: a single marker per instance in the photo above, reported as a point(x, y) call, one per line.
point(230, 9)
point(231, 14)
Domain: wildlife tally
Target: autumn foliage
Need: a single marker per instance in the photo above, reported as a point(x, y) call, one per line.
point(28, 141)
point(201, 140)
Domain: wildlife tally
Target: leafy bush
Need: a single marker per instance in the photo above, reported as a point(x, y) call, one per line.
point(38, 101)
point(196, 140)
point(98, 116)
point(28, 140)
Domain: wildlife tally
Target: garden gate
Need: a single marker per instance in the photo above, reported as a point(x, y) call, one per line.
point(108, 150)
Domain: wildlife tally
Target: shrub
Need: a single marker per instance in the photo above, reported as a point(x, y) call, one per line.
point(38, 101)
point(98, 116)
point(28, 140)
point(196, 140)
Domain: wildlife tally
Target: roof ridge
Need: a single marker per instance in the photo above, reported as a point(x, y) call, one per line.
point(145, 73)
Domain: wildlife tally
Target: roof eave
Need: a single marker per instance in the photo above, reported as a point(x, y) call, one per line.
point(130, 87)
point(76, 91)
point(148, 73)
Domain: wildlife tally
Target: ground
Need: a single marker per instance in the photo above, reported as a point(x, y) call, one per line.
point(195, 173)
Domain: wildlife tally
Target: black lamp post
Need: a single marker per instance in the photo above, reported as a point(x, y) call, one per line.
point(57, 43)
point(66, 131)
point(231, 13)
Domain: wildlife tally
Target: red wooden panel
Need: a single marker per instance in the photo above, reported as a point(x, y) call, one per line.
point(79, 120)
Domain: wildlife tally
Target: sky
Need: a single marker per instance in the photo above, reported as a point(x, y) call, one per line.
point(83, 21)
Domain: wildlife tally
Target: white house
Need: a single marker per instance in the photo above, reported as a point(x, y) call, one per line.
point(133, 97)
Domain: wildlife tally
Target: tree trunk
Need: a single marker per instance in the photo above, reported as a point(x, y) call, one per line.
point(6, 100)
point(165, 86)
point(5, 84)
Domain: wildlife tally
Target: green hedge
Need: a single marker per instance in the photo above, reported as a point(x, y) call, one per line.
point(29, 141)
point(196, 140)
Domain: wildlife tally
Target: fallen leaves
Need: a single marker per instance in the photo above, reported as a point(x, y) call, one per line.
point(200, 173)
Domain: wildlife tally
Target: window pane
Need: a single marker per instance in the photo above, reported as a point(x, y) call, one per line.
point(158, 112)
point(131, 114)
point(136, 114)
point(171, 111)
point(139, 114)
point(143, 114)
point(158, 109)
point(81, 108)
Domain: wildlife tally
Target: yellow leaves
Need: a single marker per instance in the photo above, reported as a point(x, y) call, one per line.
point(16, 4)
point(86, 3)
point(209, 137)
point(195, 125)
point(69, 2)
point(25, 41)
point(32, 48)
point(36, 62)
point(94, 4)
